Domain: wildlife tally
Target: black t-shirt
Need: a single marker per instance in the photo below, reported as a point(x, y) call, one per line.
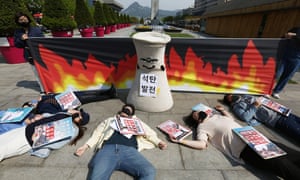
point(118, 138)
point(295, 41)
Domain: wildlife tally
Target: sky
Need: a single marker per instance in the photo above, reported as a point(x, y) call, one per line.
point(163, 4)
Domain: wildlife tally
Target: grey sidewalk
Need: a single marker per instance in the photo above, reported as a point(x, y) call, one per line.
point(18, 85)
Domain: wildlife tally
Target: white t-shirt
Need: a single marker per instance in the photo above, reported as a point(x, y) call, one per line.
point(217, 130)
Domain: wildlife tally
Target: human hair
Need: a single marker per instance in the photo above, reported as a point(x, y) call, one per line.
point(131, 106)
point(226, 100)
point(20, 14)
point(190, 121)
point(81, 130)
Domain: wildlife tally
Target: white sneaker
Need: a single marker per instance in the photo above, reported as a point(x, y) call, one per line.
point(267, 96)
point(276, 95)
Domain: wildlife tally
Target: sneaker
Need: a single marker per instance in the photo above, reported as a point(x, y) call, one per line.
point(276, 95)
point(267, 96)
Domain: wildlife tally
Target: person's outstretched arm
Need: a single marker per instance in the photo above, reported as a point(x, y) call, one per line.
point(196, 144)
point(81, 150)
point(223, 111)
point(245, 111)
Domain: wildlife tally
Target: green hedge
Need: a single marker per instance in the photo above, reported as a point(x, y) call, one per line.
point(57, 16)
point(99, 16)
point(8, 10)
point(83, 16)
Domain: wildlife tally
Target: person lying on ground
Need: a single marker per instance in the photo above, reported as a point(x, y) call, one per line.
point(15, 142)
point(107, 140)
point(217, 130)
point(249, 109)
point(49, 105)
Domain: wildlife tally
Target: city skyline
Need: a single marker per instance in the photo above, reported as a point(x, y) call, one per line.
point(163, 4)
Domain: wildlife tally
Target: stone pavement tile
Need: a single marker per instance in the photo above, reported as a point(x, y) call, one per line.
point(177, 162)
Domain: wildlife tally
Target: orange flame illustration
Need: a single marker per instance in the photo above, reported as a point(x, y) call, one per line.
point(191, 74)
point(63, 75)
point(198, 76)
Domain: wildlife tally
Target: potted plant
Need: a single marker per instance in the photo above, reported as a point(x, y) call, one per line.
point(8, 50)
point(58, 18)
point(109, 19)
point(84, 19)
point(112, 14)
point(100, 19)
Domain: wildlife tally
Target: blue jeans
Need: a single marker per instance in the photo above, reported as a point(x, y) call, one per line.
point(290, 126)
point(122, 158)
point(291, 64)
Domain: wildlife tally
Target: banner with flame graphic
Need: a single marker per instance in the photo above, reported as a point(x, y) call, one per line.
point(216, 65)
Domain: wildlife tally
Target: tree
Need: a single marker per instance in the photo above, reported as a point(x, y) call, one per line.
point(8, 10)
point(168, 19)
point(57, 16)
point(99, 16)
point(83, 15)
point(106, 10)
point(142, 20)
point(34, 6)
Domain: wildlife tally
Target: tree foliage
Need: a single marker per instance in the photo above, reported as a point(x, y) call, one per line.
point(57, 16)
point(141, 20)
point(106, 10)
point(34, 6)
point(99, 16)
point(8, 10)
point(83, 15)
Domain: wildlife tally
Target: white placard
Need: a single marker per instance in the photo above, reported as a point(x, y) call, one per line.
point(148, 85)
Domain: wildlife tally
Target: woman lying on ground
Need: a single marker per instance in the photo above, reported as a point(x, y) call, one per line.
point(217, 129)
point(49, 105)
point(18, 141)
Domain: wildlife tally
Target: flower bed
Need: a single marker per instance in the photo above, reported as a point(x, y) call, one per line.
point(143, 28)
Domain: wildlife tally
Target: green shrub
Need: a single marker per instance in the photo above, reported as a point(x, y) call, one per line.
point(107, 11)
point(83, 15)
point(99, 16)
point(57, 16)
point(8, 10)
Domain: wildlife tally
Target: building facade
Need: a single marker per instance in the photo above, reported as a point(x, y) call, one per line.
point(200, 6)
point(254, 19)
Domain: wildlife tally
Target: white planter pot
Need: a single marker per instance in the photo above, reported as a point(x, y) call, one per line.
point(4, 42)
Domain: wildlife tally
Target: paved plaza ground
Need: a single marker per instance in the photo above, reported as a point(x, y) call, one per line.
point(18, 85)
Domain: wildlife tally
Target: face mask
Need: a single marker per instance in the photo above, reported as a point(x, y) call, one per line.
point(24, 24)
point(235, 98)
point(126, 111)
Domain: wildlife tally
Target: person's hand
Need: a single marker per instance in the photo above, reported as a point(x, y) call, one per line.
point(73, 111)
point(290, 35)
point(79, 152)
point(257, 103)
point(174, 140)
point(219, 108)
point(162, 145)
point(24, 36)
